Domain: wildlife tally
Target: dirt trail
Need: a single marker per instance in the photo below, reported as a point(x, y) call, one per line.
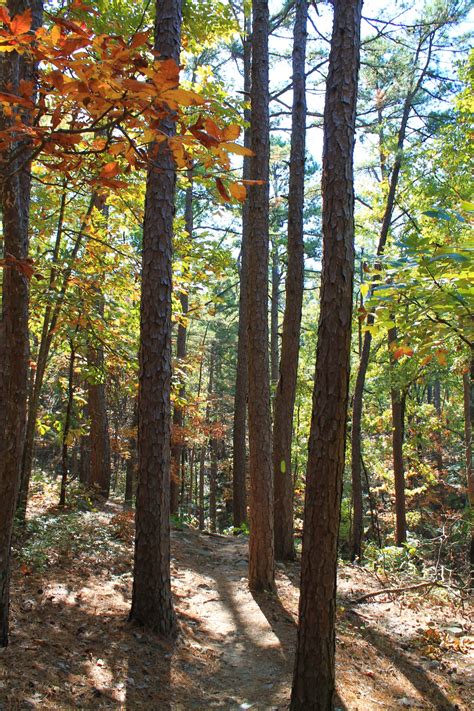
point(71, 646)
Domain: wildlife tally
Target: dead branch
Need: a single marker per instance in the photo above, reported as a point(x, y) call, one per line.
point(395, 591)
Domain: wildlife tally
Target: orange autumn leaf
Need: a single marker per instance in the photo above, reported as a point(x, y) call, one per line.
point(14, 99)
point(165, 74)
point(212, 129)
point(110, 170)
point(402, 351)
point(139, 39)
point(21, 23)
point(206, 139)
point(4, 16)
point(24, 266)
point(238, 191)
point(72, 45)
point(73, 27)
point(222, 190)
point(113, 183)
point(231, 132)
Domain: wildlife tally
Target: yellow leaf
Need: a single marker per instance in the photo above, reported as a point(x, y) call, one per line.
point(238, 191)
point(55, 35)
point(183, 97)
point(441, 356)
point(237, 148)
point(231, 132)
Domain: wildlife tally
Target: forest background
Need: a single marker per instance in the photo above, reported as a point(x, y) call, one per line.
point(408, 480)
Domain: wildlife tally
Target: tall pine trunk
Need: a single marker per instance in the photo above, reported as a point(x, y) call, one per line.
point(239, 463)
point(261, 552)
point(290, 342)
point(14, 339)
point(314, 676)
point(152, 604)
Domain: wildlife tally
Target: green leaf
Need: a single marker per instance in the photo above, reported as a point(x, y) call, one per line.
point(438, 214)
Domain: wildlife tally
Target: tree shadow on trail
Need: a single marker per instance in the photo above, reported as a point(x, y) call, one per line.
point(284, 627)
point(427, 688)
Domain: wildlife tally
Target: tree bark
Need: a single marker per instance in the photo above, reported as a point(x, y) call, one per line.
point(468, 388)
point(14, 339)
point(290, 342)
point(178, 415)
point(67, 425)
point(131, 466)
point(261, 553)
point(314, 676)
point(213, 487)
point(152, 604)
point(212, 444)
point(274, 316)
point(239, 464)
point(100, 466)
point(202, 471)
point(397, 453)
point(84, 457)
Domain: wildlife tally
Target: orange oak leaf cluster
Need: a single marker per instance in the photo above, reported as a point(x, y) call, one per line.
point(97, 112)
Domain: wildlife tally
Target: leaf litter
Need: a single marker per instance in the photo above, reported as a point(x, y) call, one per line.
point(71, 645)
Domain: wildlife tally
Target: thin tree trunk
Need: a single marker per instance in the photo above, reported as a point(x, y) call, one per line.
point(213, 487)
point(212, 444)
point(438, 448)
point(397, 453)
point(100, 465)
point(202, 471)
point(131, 465)
point(67, 426)
point(178, 415)
point(261, 552)
point(468, 388)
point(290, 342)
point(274, 317)
point(14, 337)
point(314, 676)
point(239, 464)
point(152, 603)
point(191, 480)
point(373, 509)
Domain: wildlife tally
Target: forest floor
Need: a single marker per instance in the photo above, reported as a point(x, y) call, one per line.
point(71, 646)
